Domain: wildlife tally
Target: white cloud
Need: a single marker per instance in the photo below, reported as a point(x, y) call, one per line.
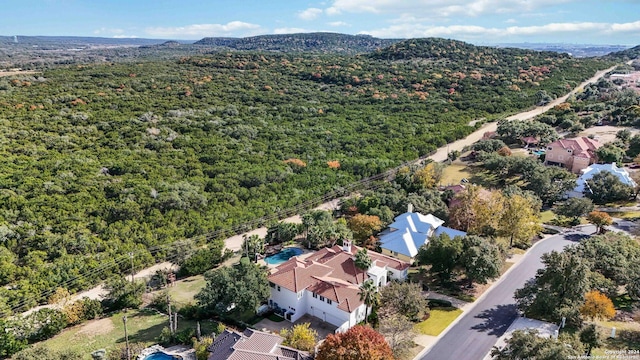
point(338, 23)
point(584, 29)
point(439, 8)
point(511, 21)
point(125, 36)
point(291, 30)
point(233, 28)
point(310, 13)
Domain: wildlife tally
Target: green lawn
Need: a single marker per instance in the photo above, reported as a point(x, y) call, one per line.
point(452, 174)
point(439, 319)
point(625, 214)
point(184, 290)
point(546, 217)
point(627, 336)
point(142, 326)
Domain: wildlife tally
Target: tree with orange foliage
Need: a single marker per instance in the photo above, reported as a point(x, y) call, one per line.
point(364, 226)
point(335, 164)
point(504, 151)
point(600, 219)
point(597, 306)
point(359, 342)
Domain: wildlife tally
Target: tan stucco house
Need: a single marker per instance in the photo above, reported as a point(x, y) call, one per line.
point(574, 154)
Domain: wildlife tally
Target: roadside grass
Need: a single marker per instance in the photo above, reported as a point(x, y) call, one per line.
point(454, 173)
point(142, 326)
point(628, 215)
point(438, 320)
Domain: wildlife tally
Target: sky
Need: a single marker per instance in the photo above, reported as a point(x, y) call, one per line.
point(614, 22)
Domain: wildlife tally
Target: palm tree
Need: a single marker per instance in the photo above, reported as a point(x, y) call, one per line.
point(363, 261)
point(369, 295)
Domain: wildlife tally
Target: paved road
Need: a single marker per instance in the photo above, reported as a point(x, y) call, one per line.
point(479, 328)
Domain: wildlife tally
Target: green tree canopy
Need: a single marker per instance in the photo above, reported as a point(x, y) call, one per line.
point(241, 287)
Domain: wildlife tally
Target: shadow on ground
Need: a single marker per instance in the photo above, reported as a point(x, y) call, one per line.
point(497, 319)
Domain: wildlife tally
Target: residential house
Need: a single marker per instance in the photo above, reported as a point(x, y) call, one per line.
point(252, 344)
point(326, 285)
point(586, 174)
point(574, 154)
point(410, 231)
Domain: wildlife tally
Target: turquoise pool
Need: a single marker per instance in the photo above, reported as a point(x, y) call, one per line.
point(162, 356)
point(282, 256)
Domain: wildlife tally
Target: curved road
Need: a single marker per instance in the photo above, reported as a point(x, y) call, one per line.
point(478, 329)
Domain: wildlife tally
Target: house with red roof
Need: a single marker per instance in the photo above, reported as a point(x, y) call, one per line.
point(574, 154)
point(326, 285)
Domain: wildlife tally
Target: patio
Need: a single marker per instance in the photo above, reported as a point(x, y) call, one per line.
point(322, 328)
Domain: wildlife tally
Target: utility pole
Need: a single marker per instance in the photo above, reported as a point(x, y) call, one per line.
point(169, 310)
point(131, 256)
point(126, 336)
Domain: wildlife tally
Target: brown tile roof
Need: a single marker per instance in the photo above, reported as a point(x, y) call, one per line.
point(331, 273)
point(252, 345)
point(580, 146)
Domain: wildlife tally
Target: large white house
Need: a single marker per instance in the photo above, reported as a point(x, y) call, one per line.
point(586, 174)
point(410, 231)
point(326, 285)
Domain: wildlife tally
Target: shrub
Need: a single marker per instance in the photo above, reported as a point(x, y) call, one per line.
point(437, 303)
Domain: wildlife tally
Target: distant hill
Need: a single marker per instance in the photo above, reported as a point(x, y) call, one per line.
point(78, 40)
point(628, 54)
point(439, 49)
point(320, 42)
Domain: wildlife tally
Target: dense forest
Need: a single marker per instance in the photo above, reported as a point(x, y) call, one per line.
point(99, 160)
point(321, 42)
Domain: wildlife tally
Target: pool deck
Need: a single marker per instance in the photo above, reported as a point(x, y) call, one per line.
point(305, 253)
point(187, 353)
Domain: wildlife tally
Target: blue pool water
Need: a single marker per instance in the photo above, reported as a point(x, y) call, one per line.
point(539, 152)
point(282, 256)
point(162, 356)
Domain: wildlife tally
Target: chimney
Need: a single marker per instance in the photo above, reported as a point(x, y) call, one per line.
point(410, 208)
point(346, 246)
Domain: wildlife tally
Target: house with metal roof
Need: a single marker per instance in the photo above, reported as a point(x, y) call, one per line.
point(582, 186)
point(326, 285)
point(254, 345)
point(410, 231)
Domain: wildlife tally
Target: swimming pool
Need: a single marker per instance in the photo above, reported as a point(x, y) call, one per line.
point(282, 256)
point(162, 356)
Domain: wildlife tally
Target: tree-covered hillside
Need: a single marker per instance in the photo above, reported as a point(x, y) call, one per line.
point(320, 42)
point(98, 160)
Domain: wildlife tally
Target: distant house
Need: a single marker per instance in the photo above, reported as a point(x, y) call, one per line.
point(410, 231)
point(574, 154)
point(588, 173)
point(252, 344)
point(528, 141)
point(326, 285)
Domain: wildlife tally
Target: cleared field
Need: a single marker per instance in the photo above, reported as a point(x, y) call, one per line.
point(452, 174)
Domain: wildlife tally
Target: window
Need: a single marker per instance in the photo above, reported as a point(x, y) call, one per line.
point(272, 284)
point(278, 287)
point(321, 298)
point(569, 150)
point(549, 148)
point(299, 294)
point(315, 295)
point(329, 302)
point(394, 253)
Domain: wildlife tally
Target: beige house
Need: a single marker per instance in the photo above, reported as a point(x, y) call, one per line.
point(574, 154)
